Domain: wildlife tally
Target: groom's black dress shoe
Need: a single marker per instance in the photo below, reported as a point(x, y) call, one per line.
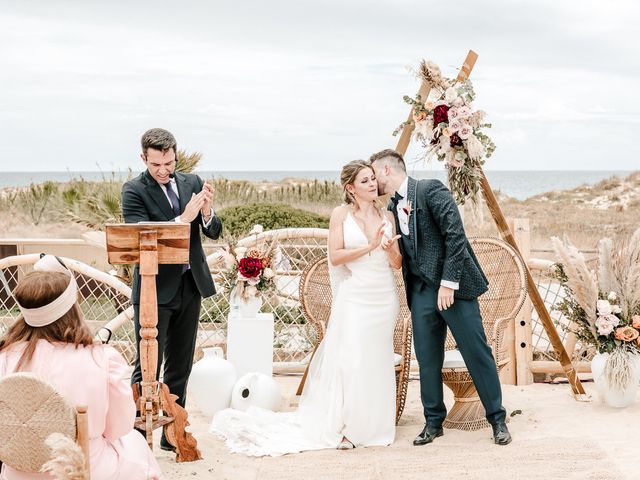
point(427, 435)
point(501, 435)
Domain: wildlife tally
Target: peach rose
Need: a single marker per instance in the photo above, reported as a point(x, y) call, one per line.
point(627, 334)
point(635, 321)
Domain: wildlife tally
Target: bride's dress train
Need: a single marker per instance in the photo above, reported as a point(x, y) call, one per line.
point(350, 390)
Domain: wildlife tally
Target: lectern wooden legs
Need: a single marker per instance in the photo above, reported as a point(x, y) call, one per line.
point(150, 396)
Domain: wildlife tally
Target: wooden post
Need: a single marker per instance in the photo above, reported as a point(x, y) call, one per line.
point(507, 236)
point(82, 435)
point(508, 372)
point(148, 331)
point(523, 336)
point(534, 294)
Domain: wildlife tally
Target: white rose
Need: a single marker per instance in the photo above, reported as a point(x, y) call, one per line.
point(465, 131)
point(240, 251)
point(257, 229)
point(604, 308)
point(458, 102)
point(605, 327)
point(464, 112)
point(614, 320)
point(450, 94)
point(268, 273)
point(454, 126)
point(613, 296)
point(615, 309)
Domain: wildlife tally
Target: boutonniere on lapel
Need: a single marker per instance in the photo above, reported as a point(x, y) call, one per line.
point(408, 209)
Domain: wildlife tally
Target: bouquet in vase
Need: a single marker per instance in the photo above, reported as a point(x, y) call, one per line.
point(603, 308)
point(250, 270)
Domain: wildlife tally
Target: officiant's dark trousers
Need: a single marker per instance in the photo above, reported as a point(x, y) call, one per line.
point(177, 329)
point(429, 334)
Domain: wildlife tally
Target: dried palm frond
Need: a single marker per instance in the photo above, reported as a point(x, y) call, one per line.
point(430, 73)
point(625, 267)
point(67, 459)
point(580, 279)
point(606, 276)
point(618, 370)
point(187, 162)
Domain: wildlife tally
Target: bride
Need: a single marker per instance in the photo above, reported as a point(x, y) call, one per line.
point(349, 398)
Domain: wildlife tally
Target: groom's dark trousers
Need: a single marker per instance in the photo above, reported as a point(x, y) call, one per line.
point(429, 333)
point(437, 248)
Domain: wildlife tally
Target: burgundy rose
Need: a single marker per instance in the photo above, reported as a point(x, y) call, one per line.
point(455, 140)
point(440, 114)
point(250, 267)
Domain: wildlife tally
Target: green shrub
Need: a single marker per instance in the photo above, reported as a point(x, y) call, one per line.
point(239, 220)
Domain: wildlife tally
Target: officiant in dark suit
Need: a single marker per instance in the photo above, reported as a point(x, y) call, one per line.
point(160, 194)
point(443, 281)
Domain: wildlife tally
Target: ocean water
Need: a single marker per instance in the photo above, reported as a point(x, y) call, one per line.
point(516, 184)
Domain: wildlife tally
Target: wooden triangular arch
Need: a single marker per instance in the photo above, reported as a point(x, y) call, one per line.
point(507, 236)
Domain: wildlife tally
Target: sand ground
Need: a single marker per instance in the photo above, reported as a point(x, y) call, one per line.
point(555, 437)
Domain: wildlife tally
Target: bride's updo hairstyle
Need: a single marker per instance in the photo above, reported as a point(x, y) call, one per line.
point(348, 176)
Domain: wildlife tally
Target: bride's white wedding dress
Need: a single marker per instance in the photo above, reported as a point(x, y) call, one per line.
point(350, 390)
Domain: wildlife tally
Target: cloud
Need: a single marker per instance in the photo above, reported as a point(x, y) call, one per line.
point(309, 85)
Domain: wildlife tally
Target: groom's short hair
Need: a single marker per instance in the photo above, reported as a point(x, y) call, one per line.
point(394, 158)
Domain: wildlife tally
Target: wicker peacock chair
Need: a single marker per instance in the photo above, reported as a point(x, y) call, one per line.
point(499, 306)
point(316, 297)
point(103, 299)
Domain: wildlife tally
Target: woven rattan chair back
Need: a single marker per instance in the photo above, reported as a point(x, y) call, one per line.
point(505, 271)
point(30, 411)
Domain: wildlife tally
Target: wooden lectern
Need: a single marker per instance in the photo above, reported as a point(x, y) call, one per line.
point(151, 244)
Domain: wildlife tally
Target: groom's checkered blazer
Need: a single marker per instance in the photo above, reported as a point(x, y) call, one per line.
point(441, 245)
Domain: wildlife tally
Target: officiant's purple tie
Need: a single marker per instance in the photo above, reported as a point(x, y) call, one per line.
point(175, 205)
point(173, 198)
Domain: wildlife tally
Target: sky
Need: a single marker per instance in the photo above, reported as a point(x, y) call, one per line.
point(311, 85)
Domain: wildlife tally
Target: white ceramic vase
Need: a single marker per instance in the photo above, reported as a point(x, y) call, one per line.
point(256, 390)
point(211, 381)
point(250, 307)
point(615, 397)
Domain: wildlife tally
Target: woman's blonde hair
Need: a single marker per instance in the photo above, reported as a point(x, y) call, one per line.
point(35, 290)
point(348, 176)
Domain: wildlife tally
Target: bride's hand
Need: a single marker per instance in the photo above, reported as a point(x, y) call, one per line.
point(377, 238)
point(387, 242)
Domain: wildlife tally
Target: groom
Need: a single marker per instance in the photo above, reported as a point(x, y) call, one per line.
point(443, 281)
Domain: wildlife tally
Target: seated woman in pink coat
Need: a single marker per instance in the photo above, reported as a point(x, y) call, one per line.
point(51, 340)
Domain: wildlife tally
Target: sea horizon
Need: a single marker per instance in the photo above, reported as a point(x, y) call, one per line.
point(519, 184)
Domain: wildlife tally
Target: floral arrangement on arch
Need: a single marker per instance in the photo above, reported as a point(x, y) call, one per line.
point(250, 271)
point(603, 308)
point(451, 130)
